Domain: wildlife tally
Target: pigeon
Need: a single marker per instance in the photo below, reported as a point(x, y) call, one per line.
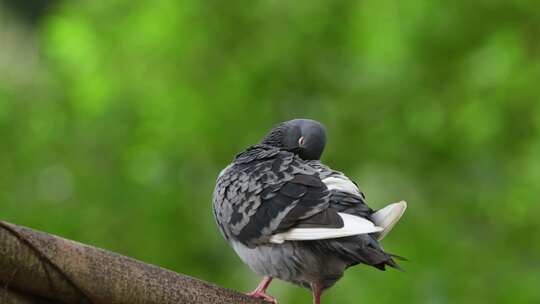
point(289, 216)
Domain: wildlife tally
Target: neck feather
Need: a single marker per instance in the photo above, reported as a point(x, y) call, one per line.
point(275, 136)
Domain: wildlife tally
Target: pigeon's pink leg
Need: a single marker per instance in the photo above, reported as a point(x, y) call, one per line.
point(260, 291)
point(316, 290)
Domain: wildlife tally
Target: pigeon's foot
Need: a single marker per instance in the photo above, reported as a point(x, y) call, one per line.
point(262, 295)
point(260, 291)
point(317, 291)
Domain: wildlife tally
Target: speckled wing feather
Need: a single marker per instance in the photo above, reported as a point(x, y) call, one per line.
point(267, 191)
point(345, 196)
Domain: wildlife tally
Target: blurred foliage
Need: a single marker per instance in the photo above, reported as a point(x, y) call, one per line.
point(116, 117)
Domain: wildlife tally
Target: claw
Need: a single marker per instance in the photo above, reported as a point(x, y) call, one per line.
point(261, 295)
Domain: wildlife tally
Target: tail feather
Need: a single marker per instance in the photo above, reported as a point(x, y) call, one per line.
point(388, 217)
point(390, 262)
point(385, 259)
point(365, 248)
point(398, 257)
point(361, 249)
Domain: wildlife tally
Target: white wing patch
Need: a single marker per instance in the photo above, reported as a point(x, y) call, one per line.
point(341, 184)
point(388, 216)
point(353, 225)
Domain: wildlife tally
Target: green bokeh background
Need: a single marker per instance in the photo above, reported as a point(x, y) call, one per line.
point(116, 117)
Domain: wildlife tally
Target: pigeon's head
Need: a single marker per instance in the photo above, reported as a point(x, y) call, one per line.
point(304, 137)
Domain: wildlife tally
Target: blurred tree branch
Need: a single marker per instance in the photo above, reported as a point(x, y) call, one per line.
point(36, 264)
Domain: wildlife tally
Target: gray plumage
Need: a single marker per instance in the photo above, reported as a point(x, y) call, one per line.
point(280, 184)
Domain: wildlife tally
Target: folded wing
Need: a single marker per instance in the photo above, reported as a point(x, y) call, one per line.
point(352, 225)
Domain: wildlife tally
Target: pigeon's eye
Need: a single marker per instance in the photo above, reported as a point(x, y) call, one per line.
point(301, 141)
